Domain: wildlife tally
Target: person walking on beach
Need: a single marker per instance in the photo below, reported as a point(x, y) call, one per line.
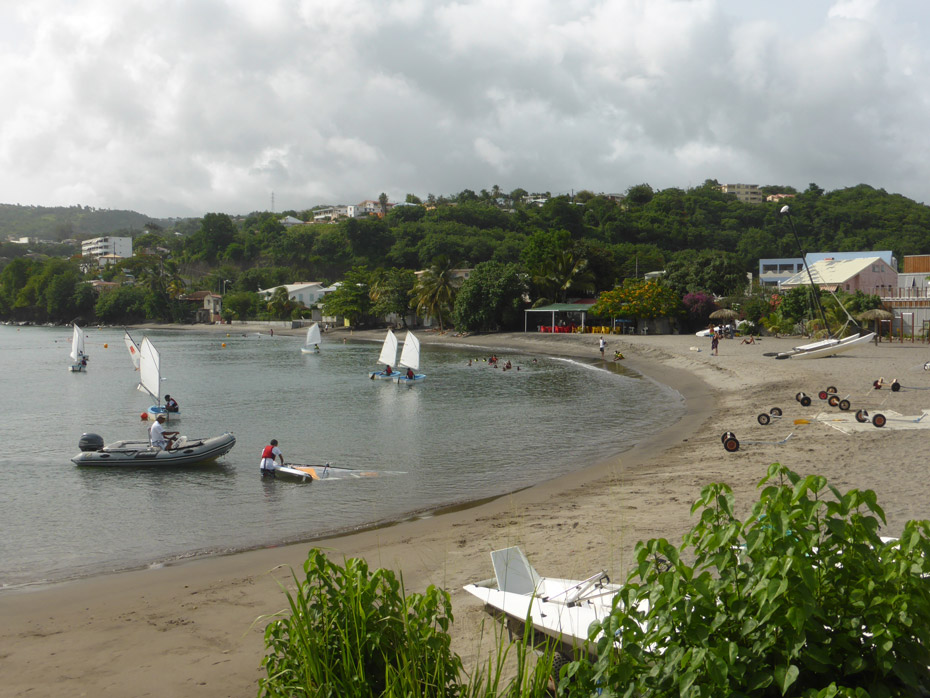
point(603, 345)
point(269, 454)
point(714, 341)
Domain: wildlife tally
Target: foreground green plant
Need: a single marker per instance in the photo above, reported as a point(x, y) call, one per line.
point(802, 598)
point(352, 632)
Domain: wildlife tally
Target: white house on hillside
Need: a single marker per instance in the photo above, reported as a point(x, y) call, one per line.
point(306, 292)
point(866, 274)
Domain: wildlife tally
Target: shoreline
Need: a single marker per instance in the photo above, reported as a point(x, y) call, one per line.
point(189, 628)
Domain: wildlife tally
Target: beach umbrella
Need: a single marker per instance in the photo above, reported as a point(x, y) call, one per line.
point(724, 314)
point(876, 315)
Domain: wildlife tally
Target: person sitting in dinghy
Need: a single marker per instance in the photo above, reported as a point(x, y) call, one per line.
point(158, 437)
point(171, 405)
point(410, 374)
point(387, 370)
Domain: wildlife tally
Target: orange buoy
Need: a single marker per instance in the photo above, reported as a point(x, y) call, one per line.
point(224, 345)
point(144, 416)
point(106, 346)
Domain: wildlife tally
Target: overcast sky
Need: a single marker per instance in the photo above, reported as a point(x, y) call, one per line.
point(183, 107)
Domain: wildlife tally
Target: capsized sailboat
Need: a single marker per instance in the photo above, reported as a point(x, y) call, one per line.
point(312, 343)
point(410, 358)
point(150, 378)
point(78, 357)
point(387, 357)
point(133, 349)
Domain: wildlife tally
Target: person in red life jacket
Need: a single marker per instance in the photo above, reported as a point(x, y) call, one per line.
point(171, 405)
point(269, 454)
point(387, 370)
point(410, 374)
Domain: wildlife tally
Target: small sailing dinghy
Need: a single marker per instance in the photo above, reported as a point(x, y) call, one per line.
point(410, 358)
point(133, 349)
point(312, 343)
point(78, 357)
point(150, 379)
point(387, 357)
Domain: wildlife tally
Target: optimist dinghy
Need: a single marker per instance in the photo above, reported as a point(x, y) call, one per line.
point(410, 358)
point(140, 453)
point(312, 343)
point(387, 357)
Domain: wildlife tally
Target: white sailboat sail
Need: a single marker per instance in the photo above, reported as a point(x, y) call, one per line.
point(313, 335)
point(410, 355)
point(133, 350)
point(388, 350)
point(77, 344)
point(149, 369)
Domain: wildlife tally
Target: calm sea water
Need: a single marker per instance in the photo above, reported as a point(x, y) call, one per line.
point(466, 433)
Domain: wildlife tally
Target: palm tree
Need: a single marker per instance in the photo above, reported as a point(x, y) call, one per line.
point(565, 271)
point(434, 292)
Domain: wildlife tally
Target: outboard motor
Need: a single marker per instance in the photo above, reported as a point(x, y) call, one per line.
point(90, 442)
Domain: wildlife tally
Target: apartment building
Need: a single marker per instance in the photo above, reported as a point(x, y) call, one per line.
point(747, 193)
point(108, 247)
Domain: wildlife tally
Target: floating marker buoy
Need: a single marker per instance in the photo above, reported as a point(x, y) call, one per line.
point(224, 345)
point(144, 416)
point(106, 346)
point(227, 334)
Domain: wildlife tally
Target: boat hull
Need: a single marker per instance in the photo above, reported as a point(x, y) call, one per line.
point(416, 378)
point(822, 349)
point(382, 376)
point(304, 350)
point(141, 454)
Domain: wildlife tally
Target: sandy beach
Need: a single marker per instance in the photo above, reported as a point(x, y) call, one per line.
point(193, 629)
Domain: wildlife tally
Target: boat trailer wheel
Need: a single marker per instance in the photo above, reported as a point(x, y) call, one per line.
point(806, 401)
point(862, 416)
point(823, 394)
point(763, 419)
point(833, 401)
point(727, 435)
point(731, 445)
point(831, 389)
point(775, 411)
point(844, 405)
point(879, 420)
point(895, 386)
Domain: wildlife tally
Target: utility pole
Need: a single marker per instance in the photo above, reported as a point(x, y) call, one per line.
point(272, 202)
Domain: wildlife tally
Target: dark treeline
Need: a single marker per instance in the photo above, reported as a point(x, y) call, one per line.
point(570, 246)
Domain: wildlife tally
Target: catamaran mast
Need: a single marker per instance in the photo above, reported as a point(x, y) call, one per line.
point(815, 290)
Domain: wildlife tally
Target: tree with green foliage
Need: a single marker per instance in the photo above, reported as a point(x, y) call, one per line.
point(490, 299)
point(352, 299)
point(241, 305)
point(639, 299)
point(390, 292)
point(280, 306)
point(123, 305)
point(433, 295)
point(800, 598)
point(720, 273)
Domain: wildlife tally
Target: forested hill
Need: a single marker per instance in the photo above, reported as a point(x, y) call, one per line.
point(63, 222)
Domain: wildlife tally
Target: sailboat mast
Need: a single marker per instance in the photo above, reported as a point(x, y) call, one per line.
point(815, 291)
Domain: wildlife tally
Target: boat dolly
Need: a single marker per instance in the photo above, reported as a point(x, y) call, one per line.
point(731, 444)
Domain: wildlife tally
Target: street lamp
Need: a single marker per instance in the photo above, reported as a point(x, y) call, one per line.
point(223, 283)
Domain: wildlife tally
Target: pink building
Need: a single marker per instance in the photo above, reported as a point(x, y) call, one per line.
point(866, 274)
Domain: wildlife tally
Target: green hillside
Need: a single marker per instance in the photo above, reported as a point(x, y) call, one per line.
point(61, 222)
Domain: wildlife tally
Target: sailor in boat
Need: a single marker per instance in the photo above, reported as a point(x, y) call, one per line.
point(387, 370)
point(171, 405)
point(269, 454)
point(158, 437)
point(410, 374)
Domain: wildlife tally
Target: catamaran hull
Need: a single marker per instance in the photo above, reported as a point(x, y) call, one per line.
point(141, 454)
point(820, 350)
point(417, 377)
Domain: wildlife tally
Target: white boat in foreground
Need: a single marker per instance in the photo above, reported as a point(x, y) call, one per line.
point(312, 343)
point(410, 358)
point(141, 454)
point(78, 357)
point(826, 347)
point(559, 609)
point(387, 357)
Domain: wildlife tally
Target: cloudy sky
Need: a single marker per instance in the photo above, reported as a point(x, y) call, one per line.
point(183, 107)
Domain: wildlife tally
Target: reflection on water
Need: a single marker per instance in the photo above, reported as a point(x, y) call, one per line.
point(467, 432)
